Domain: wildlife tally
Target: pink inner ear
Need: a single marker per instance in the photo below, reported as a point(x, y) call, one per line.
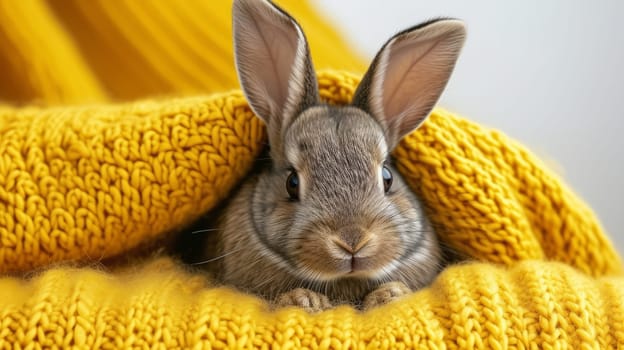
point(415, 74)
point(266, 46)
point(276, 69)
point(415, 68)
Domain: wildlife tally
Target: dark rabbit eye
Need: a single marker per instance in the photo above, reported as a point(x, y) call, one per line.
point(387, 178)
point(292, 185)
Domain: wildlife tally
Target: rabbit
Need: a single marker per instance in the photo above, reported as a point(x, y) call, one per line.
point(328, 220)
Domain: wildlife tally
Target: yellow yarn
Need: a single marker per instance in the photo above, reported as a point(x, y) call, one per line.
point(90, 182)
point(497, 202)
point(533, 305)
point(38, 60)
point(126, 49)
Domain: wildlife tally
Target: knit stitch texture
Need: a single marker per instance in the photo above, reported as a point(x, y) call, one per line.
point(532, 305)
point(86, 183)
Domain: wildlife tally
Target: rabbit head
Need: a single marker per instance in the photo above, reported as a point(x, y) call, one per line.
point(331, 207)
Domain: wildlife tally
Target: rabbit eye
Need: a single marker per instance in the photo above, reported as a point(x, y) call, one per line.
point(292, 185)
point(386, 175)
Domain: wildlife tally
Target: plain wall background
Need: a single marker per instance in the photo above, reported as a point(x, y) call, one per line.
point(547, 73)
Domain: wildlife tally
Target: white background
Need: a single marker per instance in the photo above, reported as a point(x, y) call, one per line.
point(547, 73)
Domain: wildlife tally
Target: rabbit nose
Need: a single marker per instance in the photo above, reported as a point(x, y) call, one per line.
point(352, 240)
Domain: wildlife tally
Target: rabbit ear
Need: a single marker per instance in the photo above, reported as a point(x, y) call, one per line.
point(408, 76)
point(273, 63)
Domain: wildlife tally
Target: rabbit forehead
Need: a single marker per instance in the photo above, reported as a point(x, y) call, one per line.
point(329, 134)
point(338, 152)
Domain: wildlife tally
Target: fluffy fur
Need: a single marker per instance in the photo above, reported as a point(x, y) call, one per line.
point(345, 236)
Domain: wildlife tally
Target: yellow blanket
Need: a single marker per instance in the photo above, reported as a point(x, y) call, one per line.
point(79, 184)
point(85, 183)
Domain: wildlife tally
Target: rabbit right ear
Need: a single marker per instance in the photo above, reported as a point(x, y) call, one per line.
point(408, 76)
point(273, 64)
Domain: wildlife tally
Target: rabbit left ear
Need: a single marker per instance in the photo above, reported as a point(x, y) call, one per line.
point(408, 75)
point(273, 64)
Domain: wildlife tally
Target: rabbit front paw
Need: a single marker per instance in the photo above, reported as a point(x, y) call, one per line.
point(384, 294)
point(310, 301)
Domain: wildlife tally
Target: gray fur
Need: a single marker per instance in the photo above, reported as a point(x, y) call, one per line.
point(340, 166)
point(344, 236)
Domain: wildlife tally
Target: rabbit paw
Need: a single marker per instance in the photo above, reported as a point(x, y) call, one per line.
point(384, 294)
point(308, 300)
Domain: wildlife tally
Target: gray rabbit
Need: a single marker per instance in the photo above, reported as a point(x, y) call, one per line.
point(329, 220)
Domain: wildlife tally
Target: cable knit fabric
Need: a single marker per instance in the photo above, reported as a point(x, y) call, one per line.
point(495, 201)
point(533, 305)
point(86, 183)
point(89, 183)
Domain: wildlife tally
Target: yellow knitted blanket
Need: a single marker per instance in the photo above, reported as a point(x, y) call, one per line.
point(84, 183)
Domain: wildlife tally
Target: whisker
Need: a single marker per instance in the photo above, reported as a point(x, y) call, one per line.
point(217, 258)
point(205, 230)
point(325, 288)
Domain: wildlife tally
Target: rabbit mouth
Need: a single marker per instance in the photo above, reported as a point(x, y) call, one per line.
point(354, 265)
point(331, 258)
point(347, 267)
